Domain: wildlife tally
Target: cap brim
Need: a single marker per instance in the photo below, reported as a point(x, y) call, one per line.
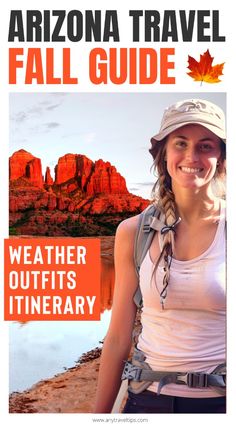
point(214, 129)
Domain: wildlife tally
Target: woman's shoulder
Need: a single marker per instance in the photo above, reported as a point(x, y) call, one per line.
point(125, 238)
point(128, 227)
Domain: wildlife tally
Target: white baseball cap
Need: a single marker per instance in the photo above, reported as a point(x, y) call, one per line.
point(191, 111)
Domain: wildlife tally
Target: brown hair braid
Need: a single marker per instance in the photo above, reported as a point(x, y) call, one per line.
point(165, 200)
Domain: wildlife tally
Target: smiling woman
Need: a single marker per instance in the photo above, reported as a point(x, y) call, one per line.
point(193, 152)
point(180, 351)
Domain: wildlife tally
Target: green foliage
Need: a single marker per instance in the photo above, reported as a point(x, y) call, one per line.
point(12, 231)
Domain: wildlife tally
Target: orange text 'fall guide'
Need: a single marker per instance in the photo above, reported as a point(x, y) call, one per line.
point(116, 66)
point(52, 279)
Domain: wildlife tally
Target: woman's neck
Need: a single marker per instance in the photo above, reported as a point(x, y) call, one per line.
point(196, 205)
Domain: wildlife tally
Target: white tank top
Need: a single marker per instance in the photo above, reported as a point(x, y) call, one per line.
point(189, 334)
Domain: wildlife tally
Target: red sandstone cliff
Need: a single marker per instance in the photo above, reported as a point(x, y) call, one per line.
point(82, 191)
point(106, 179)
point(24, 164)
point(48, 179)
point(78, 172)
point(73, 166)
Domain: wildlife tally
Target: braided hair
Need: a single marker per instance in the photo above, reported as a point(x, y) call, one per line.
point(164, 199)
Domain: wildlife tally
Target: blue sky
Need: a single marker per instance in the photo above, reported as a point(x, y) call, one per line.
point(115, 127)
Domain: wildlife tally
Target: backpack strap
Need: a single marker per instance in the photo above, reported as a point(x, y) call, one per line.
point(140, 376)
point(150, 221)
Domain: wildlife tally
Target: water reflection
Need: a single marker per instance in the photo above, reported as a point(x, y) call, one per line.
point(107, 282)
point(41, 349)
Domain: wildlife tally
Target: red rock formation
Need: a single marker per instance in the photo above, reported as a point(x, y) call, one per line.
point(71, 187)
point(73, 166)
point(86, 198)
point(24, 164)
point(73, 172)
point(34, 172)
point(105, 179)
point(91, 178)
point(66, 168)
point(62, 203)
point(52, 202)
point(48, 179)
point(17, 164)
point(112, 204)
point(13, 204)
point(84, 170)
point(71, 207)
point(24, 198)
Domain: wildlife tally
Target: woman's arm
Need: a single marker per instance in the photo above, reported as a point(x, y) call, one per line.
point(119, 337)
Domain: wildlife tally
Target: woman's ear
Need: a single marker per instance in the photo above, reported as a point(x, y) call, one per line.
point(221, 167)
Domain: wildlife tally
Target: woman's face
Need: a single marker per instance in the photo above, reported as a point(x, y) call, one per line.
point(192, 153)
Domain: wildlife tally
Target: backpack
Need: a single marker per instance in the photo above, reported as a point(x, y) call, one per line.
point(151, 220)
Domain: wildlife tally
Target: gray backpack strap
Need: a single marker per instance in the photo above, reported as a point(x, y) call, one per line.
point(148, 224)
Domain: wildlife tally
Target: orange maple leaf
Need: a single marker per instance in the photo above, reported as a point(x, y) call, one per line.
point(203, 70)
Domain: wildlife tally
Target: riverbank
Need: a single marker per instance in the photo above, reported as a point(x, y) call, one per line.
point(72, 391)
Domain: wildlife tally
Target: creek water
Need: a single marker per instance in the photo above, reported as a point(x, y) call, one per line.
point(40, 349)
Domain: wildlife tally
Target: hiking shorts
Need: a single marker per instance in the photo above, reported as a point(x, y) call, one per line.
point(148, 402)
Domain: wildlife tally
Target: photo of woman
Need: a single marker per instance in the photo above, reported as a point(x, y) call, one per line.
point(178, 362)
